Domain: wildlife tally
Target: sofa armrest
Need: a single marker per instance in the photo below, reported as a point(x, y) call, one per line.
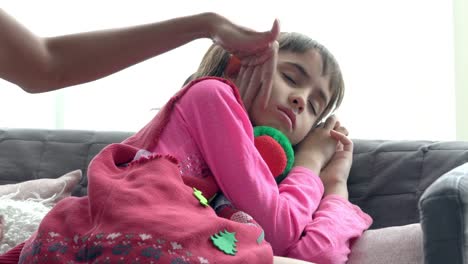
point(444, 218)
point(388, 177)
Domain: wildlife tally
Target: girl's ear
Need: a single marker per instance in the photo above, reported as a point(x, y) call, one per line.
point(233, 67)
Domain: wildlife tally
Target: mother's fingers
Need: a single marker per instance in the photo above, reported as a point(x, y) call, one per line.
point(239, 39)
point(275, 29)
point(253, 58)
point(260, 56)
point(255, 42)
point(268, 71)
point(253, 88)
point(243, 79)
point(256, 79)
point(239, 79)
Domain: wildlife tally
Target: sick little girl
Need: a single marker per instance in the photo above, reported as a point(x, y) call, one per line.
point(307, 87)
point(147, 196)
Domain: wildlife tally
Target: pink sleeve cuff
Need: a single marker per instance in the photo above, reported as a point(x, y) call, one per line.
point(303, 174)
point(366, 219)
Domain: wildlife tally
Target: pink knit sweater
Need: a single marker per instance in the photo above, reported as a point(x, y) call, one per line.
point(210, 134)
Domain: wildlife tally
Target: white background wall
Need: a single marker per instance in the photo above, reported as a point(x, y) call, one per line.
point(396, 56)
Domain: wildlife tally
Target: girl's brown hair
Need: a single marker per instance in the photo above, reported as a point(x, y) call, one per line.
point(215, 61)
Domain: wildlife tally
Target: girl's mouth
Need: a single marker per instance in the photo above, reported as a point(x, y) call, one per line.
point(288, 115)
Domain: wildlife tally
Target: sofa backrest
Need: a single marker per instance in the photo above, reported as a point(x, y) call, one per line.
point(386, 180)
point(27, 154)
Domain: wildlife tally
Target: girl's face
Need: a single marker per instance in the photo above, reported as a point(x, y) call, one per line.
point(299, 95)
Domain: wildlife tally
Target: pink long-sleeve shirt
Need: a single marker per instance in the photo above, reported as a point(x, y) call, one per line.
point(210, 133)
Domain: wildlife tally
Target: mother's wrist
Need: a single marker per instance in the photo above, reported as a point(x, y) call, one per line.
point(207, 24)
point(213, 24)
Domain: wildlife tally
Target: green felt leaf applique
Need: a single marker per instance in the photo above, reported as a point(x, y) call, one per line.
point(261, 237)
point(225, 241)
point(198, 194)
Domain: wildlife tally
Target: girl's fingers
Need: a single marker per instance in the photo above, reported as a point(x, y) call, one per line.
point(330, 122)
point(339, 146)
point(337, 125)
point(342, 130)
point(347, 143)
point(345, 131)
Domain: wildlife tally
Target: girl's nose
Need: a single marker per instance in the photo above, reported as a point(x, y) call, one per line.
point(297, 103)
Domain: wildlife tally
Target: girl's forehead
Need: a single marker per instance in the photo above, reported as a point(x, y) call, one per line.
point(310, 60)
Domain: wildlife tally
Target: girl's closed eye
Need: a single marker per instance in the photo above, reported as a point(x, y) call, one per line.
point(314, 111)
point(289, 78)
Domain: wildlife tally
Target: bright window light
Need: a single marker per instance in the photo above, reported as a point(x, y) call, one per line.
point(396, 57)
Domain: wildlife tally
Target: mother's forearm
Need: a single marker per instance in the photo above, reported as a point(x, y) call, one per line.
point(44, 64)
point(89, 56)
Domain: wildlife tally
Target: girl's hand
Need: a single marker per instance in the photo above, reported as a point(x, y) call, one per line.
point(335, 175)
point(315, 151)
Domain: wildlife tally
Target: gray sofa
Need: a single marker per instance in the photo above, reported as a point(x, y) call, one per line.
point(387, 179)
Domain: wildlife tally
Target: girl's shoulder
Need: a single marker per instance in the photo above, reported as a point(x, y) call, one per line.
point(216, 98)
point(211, 88)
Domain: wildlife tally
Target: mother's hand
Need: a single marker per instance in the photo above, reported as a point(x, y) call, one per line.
point(256, 54)
point(255, 79)
point(243, 42)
